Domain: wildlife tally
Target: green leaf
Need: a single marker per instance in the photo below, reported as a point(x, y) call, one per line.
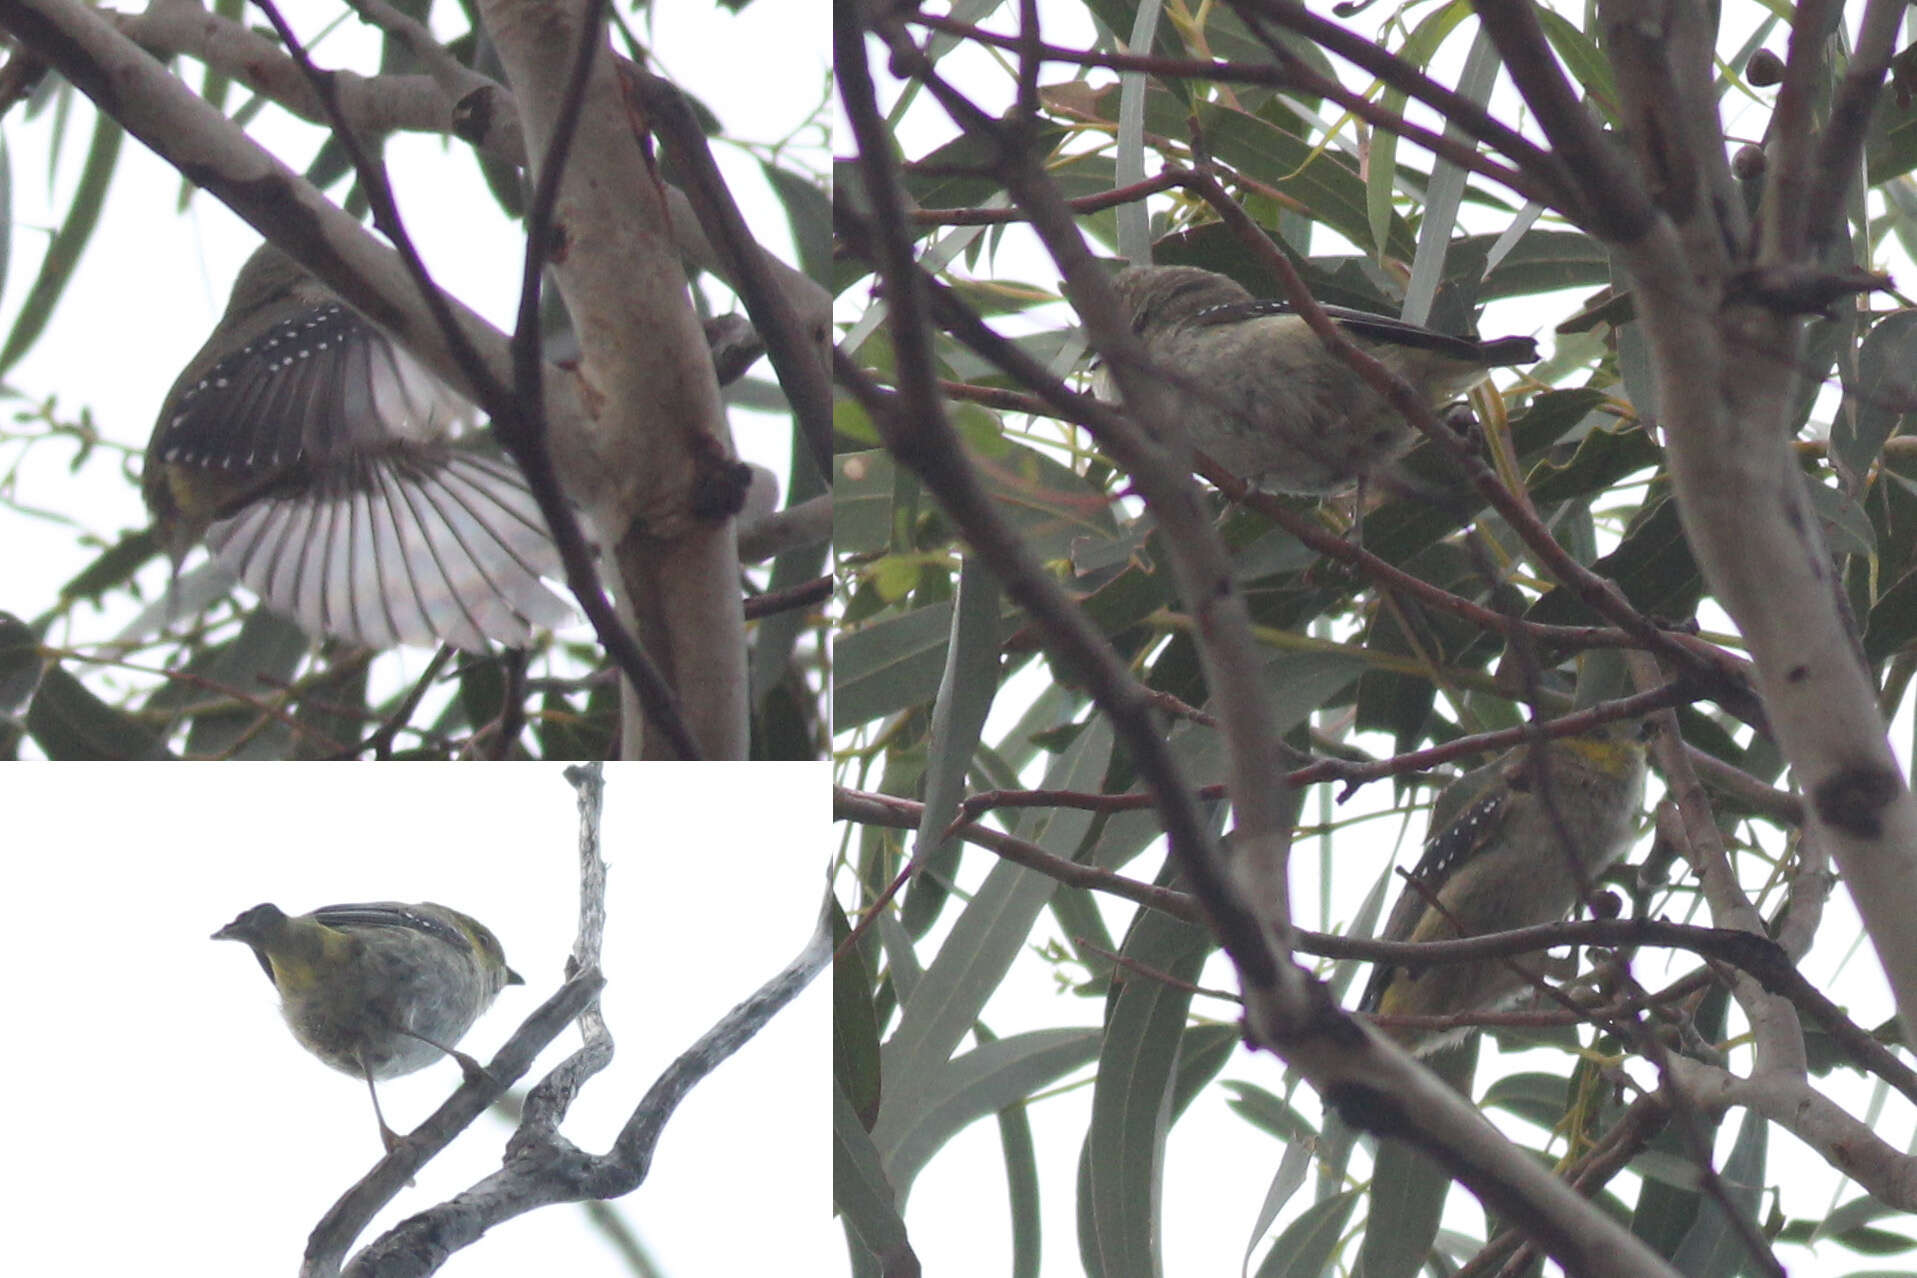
point(1021, 1183)
point(1309, 1243)
point(113, 568)
point(1877, 395)
point(1587, 64)
point(1326, 183)
point(1132, 1097)
point(890, 664)
point(1536, 1098)
point(809, 213)
point(862, 502)
point(258, 660)
point(855, 1026)
point(21, 665)
point(1268, 1113)
point(971, 1086)
point(68, 243)
point(1408, 1189)
point(862, 1194)
point(966, 689)
point(1051, 506)
point(1652, 565)
point(1892, 621)
point(987, 935)
point(69, 722)
point(1715, 1247)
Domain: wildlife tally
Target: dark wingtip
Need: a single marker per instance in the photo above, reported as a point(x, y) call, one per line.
point(1505, 351)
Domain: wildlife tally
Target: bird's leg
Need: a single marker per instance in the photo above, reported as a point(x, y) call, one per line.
point(387, 1136)
point(471, 1068)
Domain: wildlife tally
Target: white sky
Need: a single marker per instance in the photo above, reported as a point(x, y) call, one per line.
point(153, 281)
point(152, 1071)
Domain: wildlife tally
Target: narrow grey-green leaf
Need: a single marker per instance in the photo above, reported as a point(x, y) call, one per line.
point(1878, 393)
point(863, 1196)
point(21, 665)
point(260, 658)
point(68, 243)
point(971, 1086)
point(1306, 1247)
point(890, 664)
point(1715, 1247)
point(1132, 1098)
point(964, 699)
point(988, 934)
point(69, 722)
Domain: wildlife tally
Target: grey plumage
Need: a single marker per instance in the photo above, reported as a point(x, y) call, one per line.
point(1263, 396)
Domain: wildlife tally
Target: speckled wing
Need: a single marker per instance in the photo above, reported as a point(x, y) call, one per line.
point(1442, 854)
point(368, 522)
point(392, 914)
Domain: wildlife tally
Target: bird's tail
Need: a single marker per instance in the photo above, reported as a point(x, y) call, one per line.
point(1507, 352)
point(405, 547)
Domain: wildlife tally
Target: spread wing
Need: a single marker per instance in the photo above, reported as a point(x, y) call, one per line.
point(368, 523)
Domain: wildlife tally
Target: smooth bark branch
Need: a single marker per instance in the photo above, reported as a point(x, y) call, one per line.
point(1686, 818)
point(1749, 520)
point(1839, 154)
point(655, 428)
point(798, 337)
point(1384, 1091)
point(1785, 216)
point(517, 420)
point(374, 104)
point(1613, 1152)
point(1847, 1143)
point(1726, 379)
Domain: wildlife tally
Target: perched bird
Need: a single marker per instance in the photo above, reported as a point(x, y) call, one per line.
point(381, 989)
point(1502, 862)
point(322, 464)
point(1264, 397)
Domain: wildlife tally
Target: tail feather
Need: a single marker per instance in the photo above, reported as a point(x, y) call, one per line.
point(446, 548)
point(392, 575)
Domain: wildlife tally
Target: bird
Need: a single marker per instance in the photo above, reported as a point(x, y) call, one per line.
point(1263, 396)
point(1503, 862)
point(336, 477)
point(378, 989)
